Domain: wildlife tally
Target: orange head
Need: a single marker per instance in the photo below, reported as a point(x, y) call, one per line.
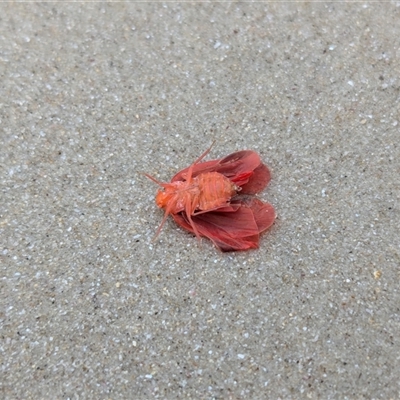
point(163, 198)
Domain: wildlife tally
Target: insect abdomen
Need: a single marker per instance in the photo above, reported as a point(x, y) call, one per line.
point(215, 190)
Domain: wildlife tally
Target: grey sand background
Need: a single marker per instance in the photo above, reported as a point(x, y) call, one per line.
point(95, 94)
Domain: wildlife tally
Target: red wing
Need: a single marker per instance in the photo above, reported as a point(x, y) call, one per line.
point(201, 168)
point(233, 228)
point(238, 163)
point(264, 213)
point(225, 232)
point(258, 180)
point(243, 168)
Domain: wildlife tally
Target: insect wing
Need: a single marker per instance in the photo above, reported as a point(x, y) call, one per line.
point(258, 180)
point(264, 213)
point(244, 168)
point(239, 162)
point(232, 228)
point(201, 168)
point(230, 166)
point(214, 227)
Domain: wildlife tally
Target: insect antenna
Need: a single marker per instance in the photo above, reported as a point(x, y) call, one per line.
point(155, 180)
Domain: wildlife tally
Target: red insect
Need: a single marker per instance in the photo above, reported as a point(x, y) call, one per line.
point(212, 199)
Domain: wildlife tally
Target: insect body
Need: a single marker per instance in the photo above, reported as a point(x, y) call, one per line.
point(204, 192)
point(203, 199)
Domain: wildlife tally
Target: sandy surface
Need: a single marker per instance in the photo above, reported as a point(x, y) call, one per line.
point(93, 95)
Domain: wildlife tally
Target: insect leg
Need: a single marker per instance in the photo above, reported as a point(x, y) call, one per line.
point(190, 206)
point(205, 153)
point(190, 170)
point(167, 212)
